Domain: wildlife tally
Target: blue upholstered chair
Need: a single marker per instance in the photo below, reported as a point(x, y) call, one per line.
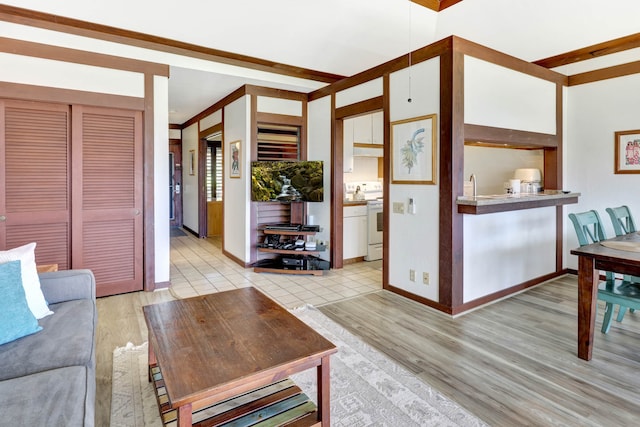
point(612, 291)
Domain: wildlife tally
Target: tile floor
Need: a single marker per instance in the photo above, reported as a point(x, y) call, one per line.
point(198, 267)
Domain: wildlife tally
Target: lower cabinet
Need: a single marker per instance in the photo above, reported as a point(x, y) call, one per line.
point(354, 238)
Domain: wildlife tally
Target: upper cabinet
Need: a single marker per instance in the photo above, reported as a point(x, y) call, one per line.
point(347, 141)
point(368, 129)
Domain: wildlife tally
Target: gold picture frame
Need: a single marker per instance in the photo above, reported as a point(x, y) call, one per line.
point(235, 159)
point(413, 150)
point(627, 152)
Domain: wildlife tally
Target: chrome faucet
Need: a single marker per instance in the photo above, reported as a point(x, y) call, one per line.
point(475, 188)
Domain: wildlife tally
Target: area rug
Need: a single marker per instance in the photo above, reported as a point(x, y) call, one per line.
point(367, 388)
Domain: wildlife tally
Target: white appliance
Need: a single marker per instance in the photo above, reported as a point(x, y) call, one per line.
point(375, 221)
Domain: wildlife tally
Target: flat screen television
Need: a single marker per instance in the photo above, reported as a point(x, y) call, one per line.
point(300, 181)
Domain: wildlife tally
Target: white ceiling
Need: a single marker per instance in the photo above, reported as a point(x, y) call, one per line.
point(342, 37)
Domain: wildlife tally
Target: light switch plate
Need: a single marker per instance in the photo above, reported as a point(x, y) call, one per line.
point(398, 207)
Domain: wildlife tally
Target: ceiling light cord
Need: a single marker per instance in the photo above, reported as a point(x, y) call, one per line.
point(410, 49)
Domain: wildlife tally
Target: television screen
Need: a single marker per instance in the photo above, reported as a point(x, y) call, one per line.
point(287, 181)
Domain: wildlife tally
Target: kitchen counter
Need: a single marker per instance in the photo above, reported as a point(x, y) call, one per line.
point(484, 204)
point(354, 202)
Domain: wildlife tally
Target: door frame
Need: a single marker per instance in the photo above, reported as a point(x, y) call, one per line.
point(175, 147)
point(202, 173)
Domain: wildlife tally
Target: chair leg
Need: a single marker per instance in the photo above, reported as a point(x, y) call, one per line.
point(606, 322)
point(621, 312)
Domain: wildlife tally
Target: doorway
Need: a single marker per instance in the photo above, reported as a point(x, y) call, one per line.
point(213, 185)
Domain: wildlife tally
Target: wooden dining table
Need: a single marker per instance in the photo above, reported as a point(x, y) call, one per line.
point(619, 255)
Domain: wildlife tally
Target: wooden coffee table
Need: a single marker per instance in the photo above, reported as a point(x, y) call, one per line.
point(214, 347)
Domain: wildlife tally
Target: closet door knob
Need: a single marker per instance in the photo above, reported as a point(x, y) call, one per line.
point(3, 218)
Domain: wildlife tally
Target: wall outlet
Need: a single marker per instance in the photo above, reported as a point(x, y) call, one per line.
point(398, 207)
point(412, 275)
point(425, 278)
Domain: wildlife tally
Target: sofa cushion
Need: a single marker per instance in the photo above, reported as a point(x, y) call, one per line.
point(30, 281)
point(16, 320)
point(53, 398)
point(67, 339)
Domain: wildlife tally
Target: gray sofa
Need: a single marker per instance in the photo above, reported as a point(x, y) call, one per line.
point(48, 378)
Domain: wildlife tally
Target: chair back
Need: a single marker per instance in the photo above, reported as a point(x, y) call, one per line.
point(590, 230)
point(588, 227)
point(622, 220)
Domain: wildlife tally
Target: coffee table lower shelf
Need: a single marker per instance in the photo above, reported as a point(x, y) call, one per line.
point(279, 404)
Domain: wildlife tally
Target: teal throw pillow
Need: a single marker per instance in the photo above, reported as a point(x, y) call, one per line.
point(16, 319)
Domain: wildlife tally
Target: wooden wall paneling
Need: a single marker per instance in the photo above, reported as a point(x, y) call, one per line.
point(612, 46)
point(559, 171)
point(605, 73)
point(34, 160)
point(107, 232)
point(510, 137)
point(495, 57)
point(254, 208)
point(68, 96)
point(451, 248)
point(147, 171)
point(386, 174)
point(396, 64)
point(337, 183)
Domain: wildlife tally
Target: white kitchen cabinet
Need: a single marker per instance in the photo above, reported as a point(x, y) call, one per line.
point(368, 129)
point(362, 129)
point(347, 145)
point(377, 128)
point(354, 232)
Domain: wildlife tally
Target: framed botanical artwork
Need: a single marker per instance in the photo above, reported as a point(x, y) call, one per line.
point(413, 150)
point(627, 151)
point(192, 162)
point(234, 150)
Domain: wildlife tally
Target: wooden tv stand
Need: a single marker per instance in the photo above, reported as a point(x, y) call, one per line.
point(291, 234)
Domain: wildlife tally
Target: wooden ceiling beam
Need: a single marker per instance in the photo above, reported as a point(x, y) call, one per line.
point(590, 52)
point(436, 5)
point(104, 32)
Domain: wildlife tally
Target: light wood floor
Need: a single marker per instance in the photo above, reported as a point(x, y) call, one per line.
point(512, 363)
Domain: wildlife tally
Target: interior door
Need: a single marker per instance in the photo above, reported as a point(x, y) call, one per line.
point(34, 177)
point(107, 191)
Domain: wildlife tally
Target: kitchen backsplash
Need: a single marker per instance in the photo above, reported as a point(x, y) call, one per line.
point(364, 169)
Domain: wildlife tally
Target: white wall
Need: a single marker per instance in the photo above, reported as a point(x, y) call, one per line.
point(500, 97)
point(190, 182)
point(160, 174)
point(364, 169)
point(414, 239)
point(361, 92)
point(211, 120)
point(237, 197)
point(507, 248)
point(319, 148)
point(494, 166)
point(595, 112)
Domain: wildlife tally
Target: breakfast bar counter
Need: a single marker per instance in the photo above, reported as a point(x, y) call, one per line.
point(485, 204)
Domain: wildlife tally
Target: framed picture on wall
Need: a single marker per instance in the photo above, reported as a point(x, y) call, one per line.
point(413, 150)
point(234, 150)
point(627, 151)
point(192, 162)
